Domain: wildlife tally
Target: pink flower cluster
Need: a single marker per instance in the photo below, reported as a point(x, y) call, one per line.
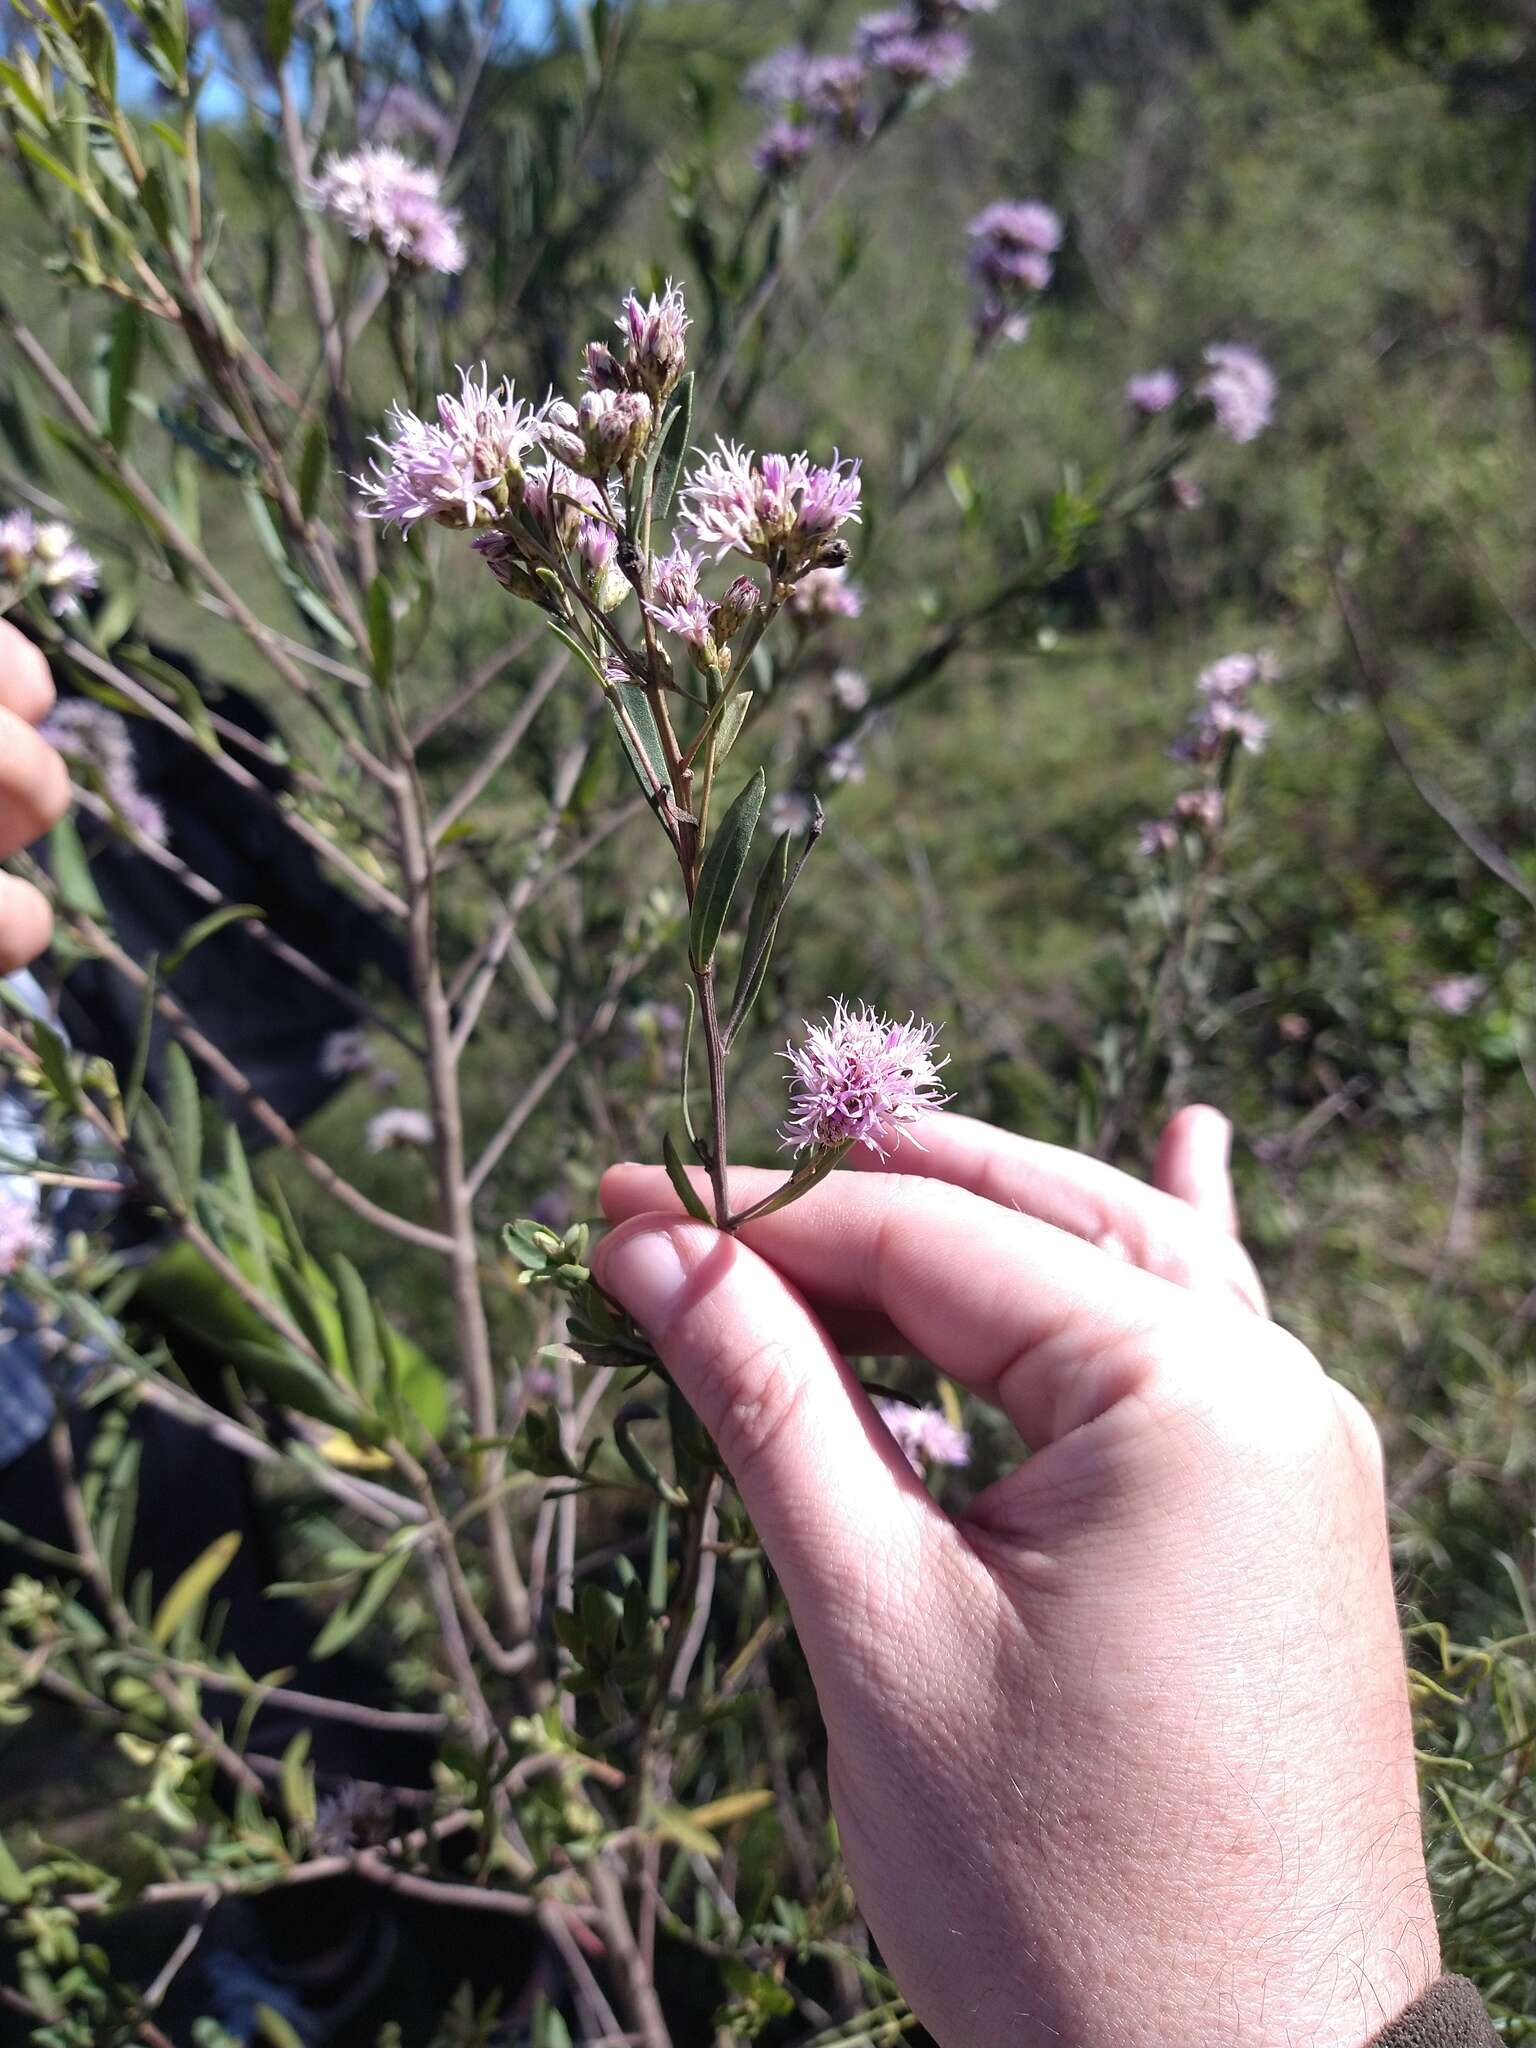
point(1152, 392)
point(654, 352)
point(783, 510)
point(24, 1237)
point(924, 1436)
point(94, 740)
point(380, 196)
point(1240, 388)
point(461, 468)
point(824, 594)
point(43, 555)
point(1225, 722)
point(859, 1078)
point(1013, 244)
point(815, 96)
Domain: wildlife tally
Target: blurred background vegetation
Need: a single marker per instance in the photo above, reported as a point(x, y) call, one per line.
point(1350, 187)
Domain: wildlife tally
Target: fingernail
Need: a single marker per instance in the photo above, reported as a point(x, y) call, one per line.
point(1215, 1140)
point(645, 1270)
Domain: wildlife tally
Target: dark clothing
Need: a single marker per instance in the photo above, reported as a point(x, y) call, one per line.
point(1449, 2015)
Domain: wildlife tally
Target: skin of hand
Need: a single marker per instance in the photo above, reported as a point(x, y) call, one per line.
point(34, 792)
point(1122, 1757)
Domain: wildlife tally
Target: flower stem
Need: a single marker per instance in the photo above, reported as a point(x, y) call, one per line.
point(714, 1049)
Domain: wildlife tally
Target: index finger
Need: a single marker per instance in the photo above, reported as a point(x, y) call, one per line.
point(1026, 1315)
point(26, 682)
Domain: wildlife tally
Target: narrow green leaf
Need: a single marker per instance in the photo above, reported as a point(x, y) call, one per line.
point(297, 1782)
point(205, 927)
point(279, 30)
point(99, 45)
point(143, 1039)
point(313, 461)
point(672, 450)
point(349, 1622)
point(237, 1170)
point(15, 1885)
point(303, 1305)
point(358, 1324)
point(53, 1058)
point(194, 1586)
point(732, 718)
point(184, 1117)
point(381, 632)
point(724, 859)
point(72, 871)
point(24, 96)
point(762, 923)
point(677, 1173)
point(34, 151)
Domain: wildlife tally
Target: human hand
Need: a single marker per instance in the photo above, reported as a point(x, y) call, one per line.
point(1122, 1756)
point(34, 792)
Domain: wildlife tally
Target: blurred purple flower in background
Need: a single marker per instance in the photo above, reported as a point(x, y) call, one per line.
point(1153, 391)
point(1241, 388)
point(925, 1436)
point(380, 196)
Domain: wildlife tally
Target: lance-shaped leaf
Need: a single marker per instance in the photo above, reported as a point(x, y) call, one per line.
point(312, 468)
point(205, 927)
point(677, 1173)
point(191, 1590)
point(724, 859)
point(184, 1117)
point(350, 1621)
point(774, 887)
point(357, 1320)
point(640, 1462)
point(672, 448)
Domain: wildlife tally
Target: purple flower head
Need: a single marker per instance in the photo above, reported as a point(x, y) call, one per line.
point(1225, 720)
point(783, 147)
point(1202, 808)
point(24, 1237)
point(615, 426)
point(858, 1077)
point(924, 1436)
point(464, 467)
point(677, 604)
point(1233, 676)
point(346, 1052)
point(832, 90)
point(1455, 994)
point(844, 761)
point(824, 594)
point(779, 509)
point(379, 196)
point(65, 572)
point(850, 689)
point(1153, 391)
point(1018, 224)
point(1012, 242)
point(601, 369)
point(1241, 388)
point(778, 80)
point(18, 539)
point(555, 500)
point(656, 341)
point(399, 1126)
point(95, 741)
point(1156, 836)
point(910, 55)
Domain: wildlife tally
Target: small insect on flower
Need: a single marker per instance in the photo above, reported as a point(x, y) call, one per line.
point(1241, 388)
point(924, 1436)
point(858, 1077)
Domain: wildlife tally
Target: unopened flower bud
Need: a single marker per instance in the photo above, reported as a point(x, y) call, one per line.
point(740, 601)
point(656, 337)
point(601, 368)
point(615, 426)
point(833, 554)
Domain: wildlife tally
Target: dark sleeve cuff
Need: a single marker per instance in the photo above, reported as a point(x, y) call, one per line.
point(1449, 2015)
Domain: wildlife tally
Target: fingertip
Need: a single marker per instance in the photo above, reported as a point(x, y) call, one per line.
point(1194, 1163)
point(26, 681)
point(26, 923)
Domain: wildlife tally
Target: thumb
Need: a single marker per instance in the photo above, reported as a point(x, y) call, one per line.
point(1194, 1163)
point(820, 1476)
